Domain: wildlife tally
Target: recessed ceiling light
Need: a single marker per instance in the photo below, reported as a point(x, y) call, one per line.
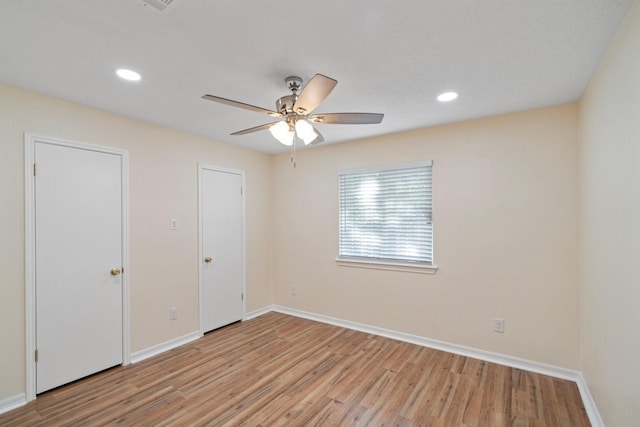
point(130, 75)
point(447, 96)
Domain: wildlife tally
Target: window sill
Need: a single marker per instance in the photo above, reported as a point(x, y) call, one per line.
point(383, 265)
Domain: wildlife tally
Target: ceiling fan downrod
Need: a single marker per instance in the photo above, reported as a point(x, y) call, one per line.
point(285, 104)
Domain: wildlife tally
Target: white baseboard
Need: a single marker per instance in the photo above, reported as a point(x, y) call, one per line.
point(501, 359)
point(165, 346)
point(12, 402)
point(259, 312)
point(589, 403)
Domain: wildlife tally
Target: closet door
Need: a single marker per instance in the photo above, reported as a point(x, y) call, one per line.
point(78, 262)
point(222, 237)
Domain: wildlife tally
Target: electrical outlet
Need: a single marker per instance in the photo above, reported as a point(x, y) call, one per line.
point(498, 325)
point(294, 290)
point(173, 313)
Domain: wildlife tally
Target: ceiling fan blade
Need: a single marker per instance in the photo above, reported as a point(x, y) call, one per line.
point(347, 118)
point(254, 129)
point(318, 88)
point(241, 105)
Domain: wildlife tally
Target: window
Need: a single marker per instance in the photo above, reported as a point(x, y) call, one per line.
point(386, 216)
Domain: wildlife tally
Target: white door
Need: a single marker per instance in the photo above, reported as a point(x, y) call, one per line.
point(222, 228)
point(78, 241)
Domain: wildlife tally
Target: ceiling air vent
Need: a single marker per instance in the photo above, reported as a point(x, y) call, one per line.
point(161, 6)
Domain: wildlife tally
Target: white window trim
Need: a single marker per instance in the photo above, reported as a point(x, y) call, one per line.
point(381, 264)
point(387, 265)
point(386, 167)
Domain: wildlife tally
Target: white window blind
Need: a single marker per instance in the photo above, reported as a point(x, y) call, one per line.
point(386, 215)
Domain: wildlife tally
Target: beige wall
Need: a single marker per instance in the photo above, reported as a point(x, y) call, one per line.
point(163, 185)
point(506, 236)
point(610, 229)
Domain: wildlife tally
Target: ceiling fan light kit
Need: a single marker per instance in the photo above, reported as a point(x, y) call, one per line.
point(305, 131)
point(282, 133)
point(296, 109)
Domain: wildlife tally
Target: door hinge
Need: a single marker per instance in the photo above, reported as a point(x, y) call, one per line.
point(36, 355)
point(241, 191)
point(242, 296)
point(34, 169)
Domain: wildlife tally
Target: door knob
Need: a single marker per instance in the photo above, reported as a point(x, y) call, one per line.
point(115, 271)
point(208, 259)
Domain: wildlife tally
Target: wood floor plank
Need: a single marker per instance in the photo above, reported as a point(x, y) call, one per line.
point(279, 370)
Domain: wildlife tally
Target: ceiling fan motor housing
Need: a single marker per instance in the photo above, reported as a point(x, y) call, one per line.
point(285, 104)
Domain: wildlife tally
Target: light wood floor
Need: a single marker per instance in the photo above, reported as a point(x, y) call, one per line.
point(278, 370)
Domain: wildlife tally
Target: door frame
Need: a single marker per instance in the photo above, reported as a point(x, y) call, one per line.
point(30, 247)
point(201, 169)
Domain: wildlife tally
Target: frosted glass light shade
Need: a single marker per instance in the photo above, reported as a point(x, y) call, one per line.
point(281, 132)
point(305, 131)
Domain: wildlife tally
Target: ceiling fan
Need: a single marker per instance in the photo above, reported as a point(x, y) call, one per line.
point(296, 110)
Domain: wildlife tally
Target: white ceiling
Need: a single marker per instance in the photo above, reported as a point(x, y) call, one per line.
point(389, 56)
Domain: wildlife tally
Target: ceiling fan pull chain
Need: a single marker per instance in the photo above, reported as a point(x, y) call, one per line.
point(294, 152)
